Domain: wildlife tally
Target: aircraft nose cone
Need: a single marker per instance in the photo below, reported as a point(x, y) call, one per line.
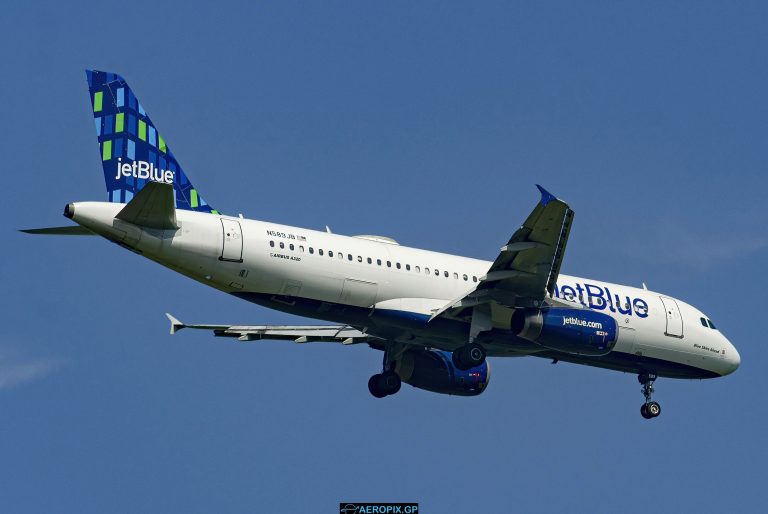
point(733, 359)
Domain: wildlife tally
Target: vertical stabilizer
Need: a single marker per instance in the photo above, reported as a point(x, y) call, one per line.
point(132, 151)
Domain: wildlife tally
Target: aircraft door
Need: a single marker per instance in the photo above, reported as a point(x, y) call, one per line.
point(232, 246)
point(674, 318)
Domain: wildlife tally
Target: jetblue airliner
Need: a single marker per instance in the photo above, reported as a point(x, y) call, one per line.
point(436, 317)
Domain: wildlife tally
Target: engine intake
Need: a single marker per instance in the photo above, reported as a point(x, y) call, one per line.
point(575, 331)
point(434, 371)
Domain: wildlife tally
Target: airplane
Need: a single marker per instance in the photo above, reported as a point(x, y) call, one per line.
point(436, 317)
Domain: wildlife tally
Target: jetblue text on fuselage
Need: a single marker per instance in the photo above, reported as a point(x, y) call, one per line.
point(143, 170)
point(599, 298)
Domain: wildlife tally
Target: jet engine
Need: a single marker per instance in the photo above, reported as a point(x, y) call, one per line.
point(574, 331)
point(434, 371)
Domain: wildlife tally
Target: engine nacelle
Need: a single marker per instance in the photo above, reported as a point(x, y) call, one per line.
point(575, 331)
point(433, 370)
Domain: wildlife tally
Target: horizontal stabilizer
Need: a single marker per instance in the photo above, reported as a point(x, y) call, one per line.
point(74, 230)
point(152, 207)
point(343, 334)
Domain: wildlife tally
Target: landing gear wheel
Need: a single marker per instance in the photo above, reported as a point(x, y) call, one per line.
point(384, 384)
point(469, 356)
point(649, 409)
point(374, 387)
point(390, 382)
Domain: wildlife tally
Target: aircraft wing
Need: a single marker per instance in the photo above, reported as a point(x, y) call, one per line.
point(527, 267)
point(297, 333)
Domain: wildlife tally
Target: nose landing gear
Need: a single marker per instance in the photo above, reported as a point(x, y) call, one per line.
point(649, 409)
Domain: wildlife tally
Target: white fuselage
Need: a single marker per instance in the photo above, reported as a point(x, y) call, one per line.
point(354, 279)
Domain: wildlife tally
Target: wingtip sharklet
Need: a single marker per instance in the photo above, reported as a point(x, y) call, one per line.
point(546, 196)
point(176, 325)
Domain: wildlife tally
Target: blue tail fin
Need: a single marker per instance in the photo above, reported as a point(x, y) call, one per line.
point(133, 152)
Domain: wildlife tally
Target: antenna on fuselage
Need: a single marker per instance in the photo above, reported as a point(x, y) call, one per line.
point(328, 229)
point(645, 286)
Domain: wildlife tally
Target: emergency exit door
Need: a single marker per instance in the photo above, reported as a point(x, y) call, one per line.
point(232, 246)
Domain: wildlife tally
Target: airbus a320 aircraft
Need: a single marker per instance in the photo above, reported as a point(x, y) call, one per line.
point(436, 317)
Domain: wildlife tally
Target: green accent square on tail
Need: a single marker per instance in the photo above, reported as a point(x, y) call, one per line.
point(193, 202)
point(161, 143)
point(98, 100)
point(214, 211)
point(142, 130)
point(106, 150)
point(119, 122)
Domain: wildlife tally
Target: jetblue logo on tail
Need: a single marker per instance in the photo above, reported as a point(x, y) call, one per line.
point(143, 170)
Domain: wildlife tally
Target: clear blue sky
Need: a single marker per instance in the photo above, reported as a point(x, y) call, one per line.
point(429, 123)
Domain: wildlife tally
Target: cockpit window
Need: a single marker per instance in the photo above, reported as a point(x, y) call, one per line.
point(711, 325)
point(704, 322)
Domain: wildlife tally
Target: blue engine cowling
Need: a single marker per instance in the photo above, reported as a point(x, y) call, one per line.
point(434, 371)
point(575, 331)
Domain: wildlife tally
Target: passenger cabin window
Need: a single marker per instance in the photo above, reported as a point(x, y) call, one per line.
point(349, 257)
point(437, 272)
point(398, 265)
point(370, 261)
point(378, 261)
point(311, 250)
point(359, 258)
point(282, 245)
point(272, 244)
point(341, 256)
point(301, 248)
point(330, 253)
point(407, 267)
point(389, 264)
point(426, 271)
point(466, 277)
point(456, 276)
point(445, 274)
point(290, 246)
point(474, 278)
point(320, 251)
point(417, 269)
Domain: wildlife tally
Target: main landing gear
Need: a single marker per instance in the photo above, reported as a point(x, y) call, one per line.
point(384, 384)
point(388, 381)
point(468, 356)
point(649, 409)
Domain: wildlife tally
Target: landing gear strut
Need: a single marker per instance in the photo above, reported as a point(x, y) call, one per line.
point(649, 409)
point(468, 356)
